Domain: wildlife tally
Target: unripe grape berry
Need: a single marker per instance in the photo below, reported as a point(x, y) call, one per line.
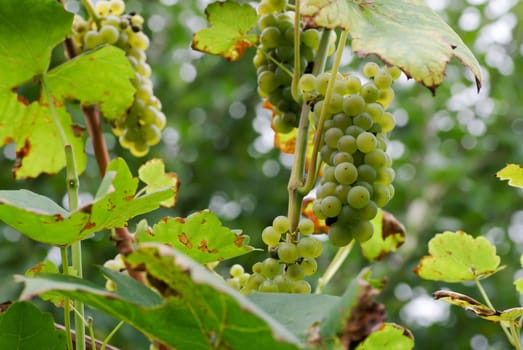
point(102, 8)
point(302, 287)
point(116, 7)
point(268, 286)
point(310, 266)
point(287, 252)
point(331, 206)
point(109, 34)
point(139, 41)
point(236, 270)
point(281, 224)
point(340, 235)
point(295, 272)
point(358, 197)
point(370, 69)
point(306, 226)
point(271, 268)
point(309, 247)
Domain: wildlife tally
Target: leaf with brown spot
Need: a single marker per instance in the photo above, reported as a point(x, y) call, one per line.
point(216, 241)
point(228, 34)
point(154, 175)
point(388, 236)
point(403, 33)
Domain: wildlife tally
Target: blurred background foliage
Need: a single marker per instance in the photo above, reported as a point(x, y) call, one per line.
point(446, 151)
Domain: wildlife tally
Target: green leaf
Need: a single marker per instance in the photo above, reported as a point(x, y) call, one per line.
point(388, 236)
point(403, 33)
point(513, 173)
point(41, 219)
point(210, 313)
point(299, 313)
point(38, 144)
point(458, 257)
point(479, 309)
point(519, 285)
point(389, 336)
point(24, 327)
point(228, 35)
point(27, 36)
point(153, 174)
point(200, 236)
point(101, 77)
point(47, 267)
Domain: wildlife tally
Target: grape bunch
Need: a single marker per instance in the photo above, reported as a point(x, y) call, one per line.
point(290, 262)
point(141, 127)
point(357, 175)
point(274, 60)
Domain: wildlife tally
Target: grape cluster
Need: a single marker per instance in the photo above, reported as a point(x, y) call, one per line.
point(357, 175)
point(274, 60)
point(140, 128)
point(290, 262)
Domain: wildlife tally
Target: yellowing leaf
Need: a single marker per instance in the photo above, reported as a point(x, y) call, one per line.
point(403, 33)
point(458, 257)
point(228, 35)
point(513, 173)
point(154, 175)
point(388, 236)
point(389, 336)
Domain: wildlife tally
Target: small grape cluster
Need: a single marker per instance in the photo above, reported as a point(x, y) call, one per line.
point(290, 262)
point(357, 176)
point(141, 127)
point(274, 60)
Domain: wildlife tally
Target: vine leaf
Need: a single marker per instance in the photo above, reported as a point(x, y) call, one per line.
point(24, 327)
point(26, 40)
point(300, 313)
point(47, 267)
point(389, 336)
point(211, 314)
point(403, 33)
point(38, 145)
point(154, 175)
point(43, 220)
point(228, 35)
point(388, 236)
point(458, 257)
point(80, 78)
point(478, 308)
point(201, 236)
point(513, 173)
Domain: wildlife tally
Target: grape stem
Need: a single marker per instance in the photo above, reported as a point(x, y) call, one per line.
point(297, 69)
point(91, 12)
point(334, 266)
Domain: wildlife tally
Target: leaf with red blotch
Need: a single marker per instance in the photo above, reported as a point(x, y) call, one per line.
point(228, 34)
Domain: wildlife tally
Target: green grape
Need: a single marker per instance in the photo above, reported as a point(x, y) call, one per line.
point(311, 38)
point(309, 247)
point(341, 87)
point(271, 268)
point(345, 173)
point(341, 121)
point(341, 157)
point(362, 231)
point(382, 79)
point(306, 226)
point(257, 267)
point(366, 142)
point(265, 9)
point(139, 149)
point(368, 212)
point(354, 104)
point(386, 96)
point(358, 197)
point(102, 8)
point(270, 236)
point(363, 120)
point(267, 82)
point(268, 286)
point(332, 136)
point(326, 189)
point(380, 195)
point(281, 224)
point(310, 266)
point(375, 110)
point(394, 72)
point(236, 270)
point(307, 82)
point(295, 272)
point(138, 41)
point(278, 5)
point(234, 283)
point(317, 210)
point(254, 281)
point(366, 173)
point(347, 143)
point(92, 39)
point(112, 265)
point(353, 84)
point(287, 252)
point(385, 176)
point(112, 20)
point(339, 235)
point(270, 37)
point(328, 174)
point(116, 7)
point(369, 92)
point(354, 131)
point(387, 122)
point(281, 126)
point(109, 34)
point(282, 77)
point(302, 287)
point(244, 277)
point(284, 283)
point(331, 206)
point(377, 159)
point(370, 69)
point(342, 191)
point(322, 81)
point(267, 20)
point(335, 104)
point(151, 134)
point(110, 285)
point(326, 154)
